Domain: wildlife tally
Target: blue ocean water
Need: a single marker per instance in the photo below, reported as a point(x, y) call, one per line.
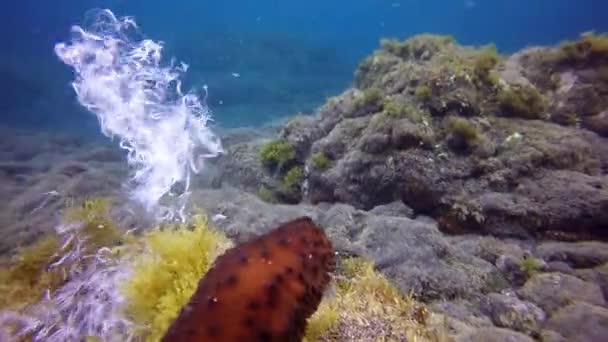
point(262, 60)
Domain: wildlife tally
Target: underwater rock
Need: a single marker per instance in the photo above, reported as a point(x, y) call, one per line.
point(240, 166)
point(414, 254)
point(569, 201)
point(510, 267)
point(393, 209)
point(582, 254)
point(558, 201)
point(240, 135)
point(264, 289)
point(552, 291)
point(36, 200)
point(507, 311)
point(597, 275)
point(494, 335)
point(579, 321)
point(559, 267)
point(420, 260)
point(490, 248)
point(573, 79)
point(388, 139)
point(597, 123)
point(468, 312)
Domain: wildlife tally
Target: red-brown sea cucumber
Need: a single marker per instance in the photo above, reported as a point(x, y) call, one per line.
point(261, 290)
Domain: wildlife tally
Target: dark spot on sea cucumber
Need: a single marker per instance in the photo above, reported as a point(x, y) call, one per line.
point(232, 280)
point(253, 305)
point(214, 331)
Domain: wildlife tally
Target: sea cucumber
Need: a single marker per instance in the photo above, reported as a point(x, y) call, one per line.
point(262, 290)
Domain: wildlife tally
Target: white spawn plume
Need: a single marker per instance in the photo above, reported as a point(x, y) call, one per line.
point(119, 78)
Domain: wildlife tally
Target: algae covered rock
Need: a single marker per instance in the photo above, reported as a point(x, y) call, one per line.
point(597, 275)
point(578, 254)
point(510, 312)
point(494, 335)
point(240, 166)
point(412, 253)
point(419, 260)
point(580, 322)
point(432, 137)
point(552, 291)
point(597, 123)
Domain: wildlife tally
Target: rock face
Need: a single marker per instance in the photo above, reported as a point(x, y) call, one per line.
point(512, 313)
point(459, 134)
point(494, 335)
point(597, 275)
point(584, 254)
point(552, 291)
point(579, 321)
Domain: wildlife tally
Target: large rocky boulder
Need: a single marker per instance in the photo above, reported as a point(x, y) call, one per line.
point(456, 133)
point(552, 291)
point(580, 322)
point(510, 312)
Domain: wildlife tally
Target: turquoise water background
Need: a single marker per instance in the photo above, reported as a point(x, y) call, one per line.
point(263, 60)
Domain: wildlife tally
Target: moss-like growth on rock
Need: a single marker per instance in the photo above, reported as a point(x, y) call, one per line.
point(589, 48)
point(98, 226)
point(320, 161)
point(370, 100)
point(167, 273)
point(422, 46)
point(423, 92)
point(267, 195)
point(396, 110)
point(276, 153)
point(292, 179)
point(484, 62)
point(366, 305)
point(463, 130)
point(363, 69)
point(522, 101)
point(26, 279)
point(529, 266)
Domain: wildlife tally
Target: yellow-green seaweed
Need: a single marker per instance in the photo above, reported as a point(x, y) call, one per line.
point(167, 271)
point(529, 266)
point(320, 161)
point(522, 101)
point(25, 279)
point(367, 305)
point(292, 179)
point(276, 153)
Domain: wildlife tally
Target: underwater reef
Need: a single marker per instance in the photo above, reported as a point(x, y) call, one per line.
point(500, 156)
point(481, 142)
point(464, 192)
